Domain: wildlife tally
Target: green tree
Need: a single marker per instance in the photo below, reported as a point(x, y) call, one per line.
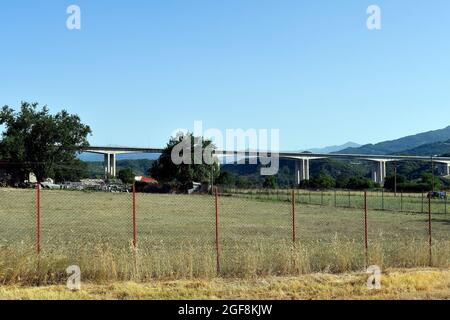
point(226, 179)
point(40, 141)
point(165, 170)
point(270, 182)
point(389, 182)
point(126, 175)
point(323, 181)
point(360, 183)
point(244, 182)
point(427, 179)
point(77, 170)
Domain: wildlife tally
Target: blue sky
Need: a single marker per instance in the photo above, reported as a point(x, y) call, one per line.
point(137, 70)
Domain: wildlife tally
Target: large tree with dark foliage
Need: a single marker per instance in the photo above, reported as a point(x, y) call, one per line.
point(322, 181)
point(166, 171)
point(40, 142)
point(126, 175)
point(226, 179)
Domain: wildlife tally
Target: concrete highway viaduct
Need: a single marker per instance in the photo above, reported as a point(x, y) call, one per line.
point(302, 159)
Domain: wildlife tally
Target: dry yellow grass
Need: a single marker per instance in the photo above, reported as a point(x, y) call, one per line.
point(396, 284)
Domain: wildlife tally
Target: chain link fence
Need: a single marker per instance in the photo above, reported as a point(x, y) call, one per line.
point(82, 219)
point(18, 220)
point(230, 232)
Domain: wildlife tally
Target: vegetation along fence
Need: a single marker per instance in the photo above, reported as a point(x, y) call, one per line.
point(229, 232)
point(377, 200)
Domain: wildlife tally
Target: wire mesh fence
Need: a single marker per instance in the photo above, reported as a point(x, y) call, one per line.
point(253, 230)
point(75, 219)
point(377, 200)
point(233, 231)
point(18, 221)
point(174, 221)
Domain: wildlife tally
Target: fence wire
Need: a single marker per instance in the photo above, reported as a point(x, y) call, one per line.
point(75, 219)
point(18, 217)
point(174, 221)
point(255, 230)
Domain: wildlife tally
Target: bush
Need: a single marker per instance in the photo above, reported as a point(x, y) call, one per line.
point(126, 175)
point(359, 183)
point(413, 187)
point(270, 182)
point(322, 181)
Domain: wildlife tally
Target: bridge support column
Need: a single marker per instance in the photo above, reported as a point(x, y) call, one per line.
point(113, 164)
point(379, 173)
point(106, 164)
point(301, 170)
point(110, 165)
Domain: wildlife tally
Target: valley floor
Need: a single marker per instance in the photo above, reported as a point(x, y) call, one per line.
point(396, 284)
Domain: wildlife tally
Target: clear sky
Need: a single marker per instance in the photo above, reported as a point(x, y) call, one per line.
point(137, 70)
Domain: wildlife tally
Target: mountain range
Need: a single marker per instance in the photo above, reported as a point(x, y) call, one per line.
point(335, 148)
point(441, 148)
point(427, 143)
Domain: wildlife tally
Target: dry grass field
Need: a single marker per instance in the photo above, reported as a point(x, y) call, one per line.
point(176, 238)
point(396, 284)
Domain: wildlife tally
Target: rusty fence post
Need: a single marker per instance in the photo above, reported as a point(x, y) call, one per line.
point(217, 232)
point(366, 229)
point(430, 242)
point(134, 217)
point(293, 218)
point(38, 218)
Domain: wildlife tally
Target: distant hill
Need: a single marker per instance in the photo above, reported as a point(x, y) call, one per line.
point(402, 144)
point(436, 148)
point(336, 148)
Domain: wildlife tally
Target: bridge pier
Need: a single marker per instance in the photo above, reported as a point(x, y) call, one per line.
point(301, 170)
point(379, 173)
point(110, 165)
point(446, 168)
point(443, 167)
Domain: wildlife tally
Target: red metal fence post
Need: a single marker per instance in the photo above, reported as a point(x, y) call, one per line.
point(429, 232)
point(38, 218)
point(293, 218)
point(134, 216)
point(217, 232)
point(366, 229)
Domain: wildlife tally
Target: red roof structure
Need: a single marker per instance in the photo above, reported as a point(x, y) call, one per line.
point(146, 180)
